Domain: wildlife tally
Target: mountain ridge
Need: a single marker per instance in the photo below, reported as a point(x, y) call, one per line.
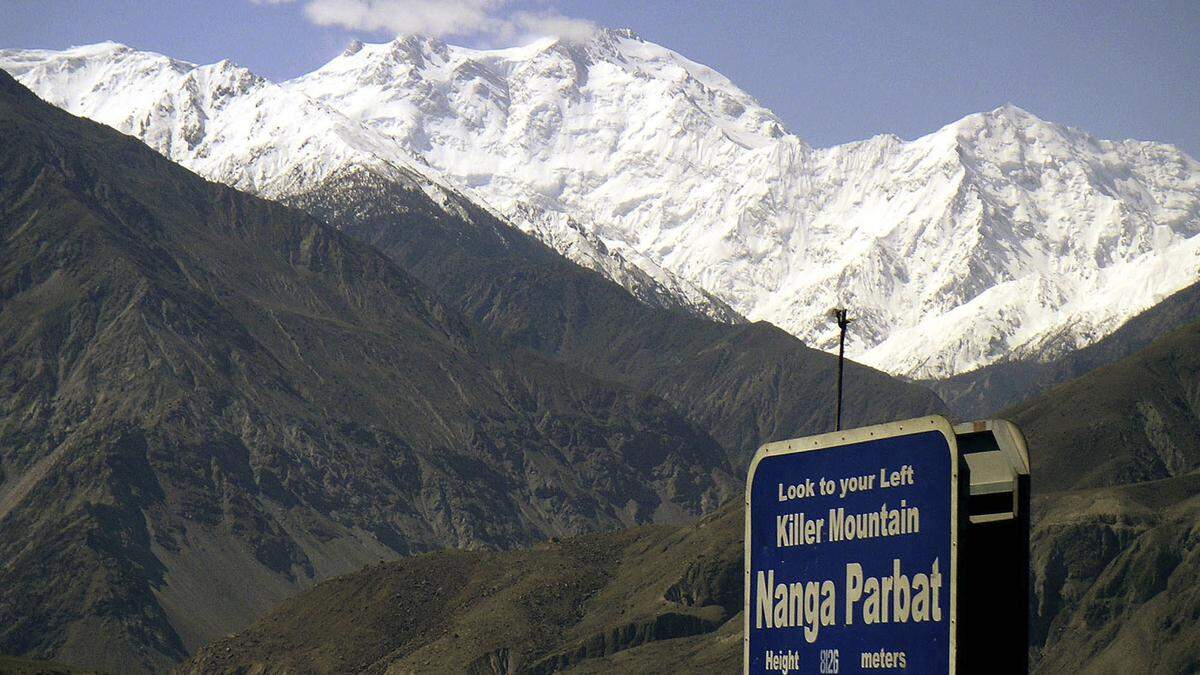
point(745, 384)
point(232, 126)
point(998, 234)
point(212, 401)
point(1114, 558)
point(702, 180)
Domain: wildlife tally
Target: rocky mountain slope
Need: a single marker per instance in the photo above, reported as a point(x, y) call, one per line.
point(1114, 592)
point(744, 384)
point(11, 665)
point(1135, 420)
point(1116, 476)
point(999, 235)
point(1114, 569)
point(549, 609)
point(1115, 574)
point(211, 401)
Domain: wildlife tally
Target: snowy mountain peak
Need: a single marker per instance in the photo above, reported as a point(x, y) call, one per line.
point(420, 70)
point(1010, 122)
point(417, 48)
point(1012, 112)
point(601, 44)
point(968, 245)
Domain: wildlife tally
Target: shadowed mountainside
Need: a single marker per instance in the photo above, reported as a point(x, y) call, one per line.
point(1114, 566)
point(1114, 571)
point(10, 665)
point(1116, 540)
point(211, 401)
point(1135, 420)
point(539, 610)
point(1114, 575)
point(745, 384)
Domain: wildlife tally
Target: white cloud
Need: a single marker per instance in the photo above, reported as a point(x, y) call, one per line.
point(553, 23)
point(442, 18)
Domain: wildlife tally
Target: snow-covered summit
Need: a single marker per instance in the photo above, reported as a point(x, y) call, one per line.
point(1000, 234)
point(996, 235)
point(416, 86)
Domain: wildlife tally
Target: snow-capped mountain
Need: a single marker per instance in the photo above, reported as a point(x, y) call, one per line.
point(995, 236)
point(998, 234)
point(228, 124)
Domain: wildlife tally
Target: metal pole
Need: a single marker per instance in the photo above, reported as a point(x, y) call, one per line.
point(840, 315)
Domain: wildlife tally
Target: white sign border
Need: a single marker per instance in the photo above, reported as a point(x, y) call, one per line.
point(850, 437)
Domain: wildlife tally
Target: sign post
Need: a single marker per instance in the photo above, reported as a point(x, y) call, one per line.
point(852, 551)
point(994, 600)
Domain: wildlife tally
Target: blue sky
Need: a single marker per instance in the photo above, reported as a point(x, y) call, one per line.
point(834, 71)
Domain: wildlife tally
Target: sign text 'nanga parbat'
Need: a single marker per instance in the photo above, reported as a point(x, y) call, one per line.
point(851, 551)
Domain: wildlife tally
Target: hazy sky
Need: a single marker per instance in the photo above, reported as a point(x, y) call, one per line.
point(834, 71)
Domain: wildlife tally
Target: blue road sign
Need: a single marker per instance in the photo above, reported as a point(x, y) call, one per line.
point(851, 551)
